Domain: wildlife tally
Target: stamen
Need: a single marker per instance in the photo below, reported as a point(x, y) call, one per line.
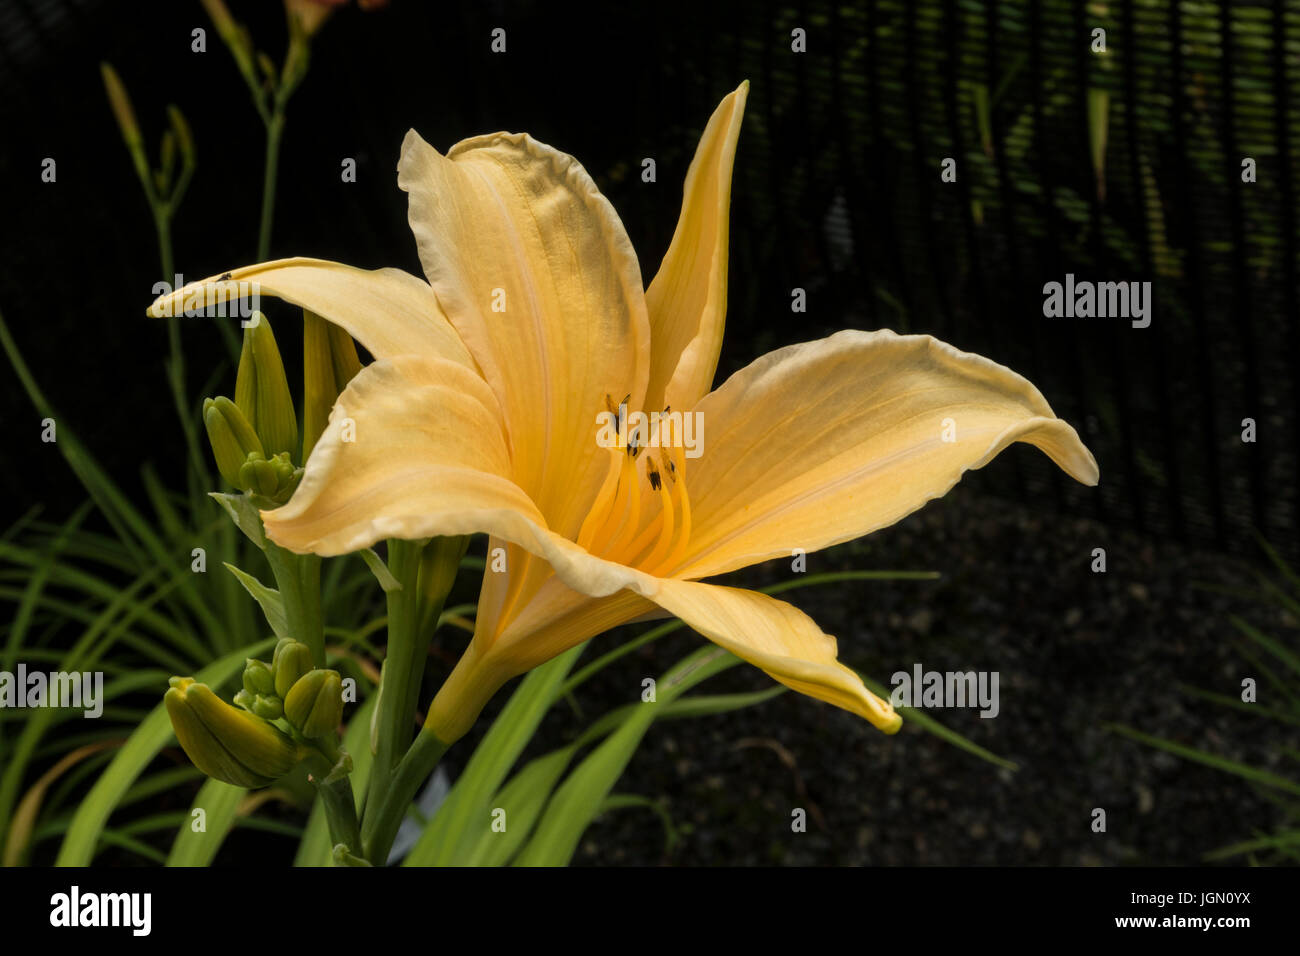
point(631, 515)
point(613, 527)
point(666, 532)
point(621, 506)
point(600, 508)
point(683, 502)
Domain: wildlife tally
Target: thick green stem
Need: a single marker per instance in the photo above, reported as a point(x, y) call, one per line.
point(383, 820)
point(396, 716)
point(298, 578)
point(341, 814)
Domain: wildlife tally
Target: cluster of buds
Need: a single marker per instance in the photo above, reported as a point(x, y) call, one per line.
point(240, 744)
point(255, 438)
point(309, 698)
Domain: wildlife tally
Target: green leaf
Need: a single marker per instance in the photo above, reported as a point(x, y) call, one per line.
point(380, 570)
point(1245, 771)
point(83, 655)
point(244, 514)
point(468, 806)
point(267, 598)
point(1098, 125)
point(522, 800)
point(707, 705)
point(634, 801)
point(1283, 841)
point(1269, 644)
point(578, 800)
point(921, 719)
point(219, 802)
point(525, 796)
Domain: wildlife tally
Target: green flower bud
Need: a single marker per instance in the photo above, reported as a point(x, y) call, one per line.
point(439, 565)
point(243, 698)
point(329, 362)
point(280, 645)
point(275, 478)
point(231, 436)
point(270, 708)
point(291, 664)
point(124, 113)
point(262, 391)
point(227, 743)
point(315, 703)
point(258, 678)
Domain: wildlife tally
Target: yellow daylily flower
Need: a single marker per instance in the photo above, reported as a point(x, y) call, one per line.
point(480, 414)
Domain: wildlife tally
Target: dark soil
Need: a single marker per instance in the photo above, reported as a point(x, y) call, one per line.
point(1074, 649)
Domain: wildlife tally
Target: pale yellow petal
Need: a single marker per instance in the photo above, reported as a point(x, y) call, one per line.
point(688, 298)
point(551, 618)
point(536, 273)
point(823, 442)
point(779, 639)
point(389, 311)
point(772, 635)
point(415, 447)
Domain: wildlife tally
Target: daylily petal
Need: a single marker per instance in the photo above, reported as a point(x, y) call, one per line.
point(771, 634)
point(688, 298)
point(552, 619)
point(415, 447)
point(778, 638)
point(536, 273)
point(389, 311)
point(820, 443)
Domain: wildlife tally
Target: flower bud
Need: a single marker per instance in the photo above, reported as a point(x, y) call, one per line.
point(280, 645)
point(269, 708)
point(315, 703)
point(258, 678)
point(439, 565)
point(120, 103)
point(262, 391)
point(329, 362)
point(274, 478)
point(231, 436)
point(291, 664)
point(227, 743)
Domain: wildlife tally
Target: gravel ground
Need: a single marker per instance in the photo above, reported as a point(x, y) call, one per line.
point(1074, 649)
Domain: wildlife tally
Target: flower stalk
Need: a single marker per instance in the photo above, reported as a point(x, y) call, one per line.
point(383, 820)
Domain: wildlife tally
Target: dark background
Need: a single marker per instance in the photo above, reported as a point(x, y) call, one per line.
point(837, 191)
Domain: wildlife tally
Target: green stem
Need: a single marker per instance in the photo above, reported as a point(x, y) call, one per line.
point(396, 717)
point(341, 813)
point(176, 358)
point(383, 820)
point(298, 578)
point(274, 129)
